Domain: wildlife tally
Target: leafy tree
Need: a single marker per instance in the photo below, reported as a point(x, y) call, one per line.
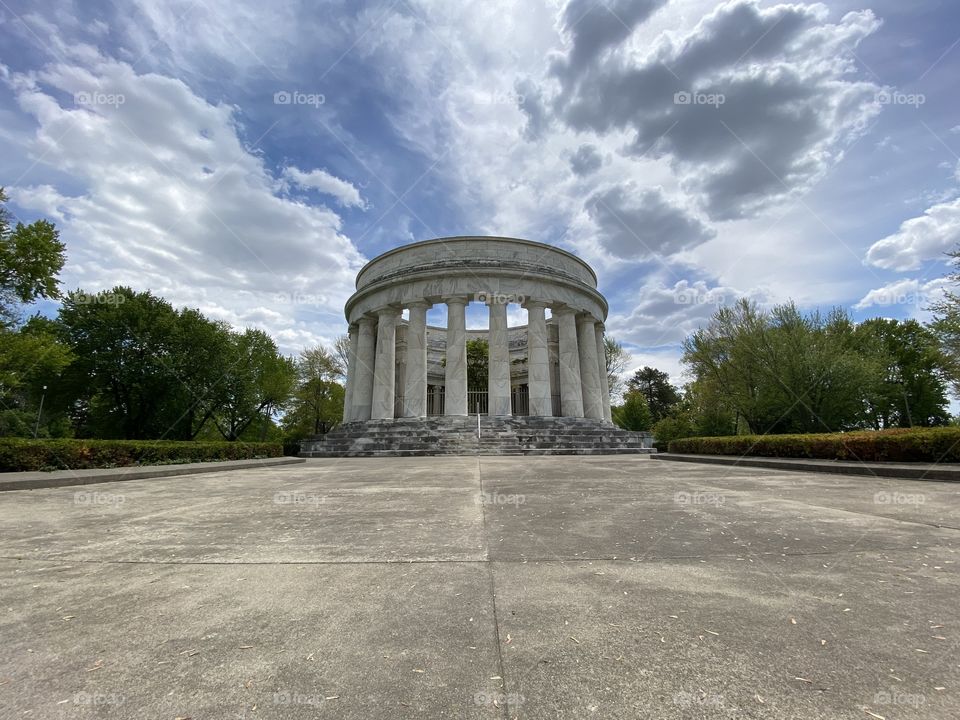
point(256, 382)
point(911, 389)
point(31, 257)
point(198, 364)
point(946, 325)
point(617, 360)
point(655, 386)
point(634, 414)
point(125, 345)
point(317, 401)
point(32, 361)
point(781, 371)
point(478, 364)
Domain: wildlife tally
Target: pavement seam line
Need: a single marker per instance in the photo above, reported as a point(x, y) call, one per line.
point(493, 594)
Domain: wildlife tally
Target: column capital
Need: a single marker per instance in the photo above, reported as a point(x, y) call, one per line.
point(388, 311)
point(366, 321)
point(585, 318)
point(456, 299)
point(535, 303)
point(419, 304)
point(561, 309)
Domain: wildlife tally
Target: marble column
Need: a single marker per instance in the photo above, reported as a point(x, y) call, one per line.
point(602, 369)
point(498, 363)
point(415, 380)
point(455, 392)
point(571, 395)
point(362, 394)
point(354, 335)
point(538, 359)
point(589, 377)
point(384, 368)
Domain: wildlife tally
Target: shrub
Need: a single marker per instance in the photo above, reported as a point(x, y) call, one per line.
point(672, 427)
point(898, 445)
point(19, 454)
point(634, 414)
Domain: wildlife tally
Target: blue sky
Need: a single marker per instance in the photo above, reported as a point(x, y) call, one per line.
point(247, 158)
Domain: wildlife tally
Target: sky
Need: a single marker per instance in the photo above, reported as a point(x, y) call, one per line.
point(247, 158)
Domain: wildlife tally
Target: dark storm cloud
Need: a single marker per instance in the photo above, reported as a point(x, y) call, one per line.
point(634, 224)
point(750, 106)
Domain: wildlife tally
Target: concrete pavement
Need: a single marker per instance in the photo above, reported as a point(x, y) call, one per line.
point(464, 587)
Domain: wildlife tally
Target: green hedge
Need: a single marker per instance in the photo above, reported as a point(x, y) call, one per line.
point(18, 454)
point(901, 445)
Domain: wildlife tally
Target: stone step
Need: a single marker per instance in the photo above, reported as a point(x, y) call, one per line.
point(458, 436)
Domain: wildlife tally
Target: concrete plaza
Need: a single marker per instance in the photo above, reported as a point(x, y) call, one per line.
point(465, 587)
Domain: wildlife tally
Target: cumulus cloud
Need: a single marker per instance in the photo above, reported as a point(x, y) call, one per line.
point(595, 27)
point(926, 237)
point(635, 223)
point(182, 207)
point(320, 180)
point(667, 314)
point(905, 292)
point(586, 160)
point(750, 106)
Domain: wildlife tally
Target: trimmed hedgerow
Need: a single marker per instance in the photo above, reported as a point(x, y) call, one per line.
point(900, 445)
point(19, 454)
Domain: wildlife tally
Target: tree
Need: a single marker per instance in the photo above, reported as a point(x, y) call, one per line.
point(31, 257)
point(317, 400)
point(478, 364)
point(341, 355)
point(125, 344)
point(781, 371)
point(634, 414)
point(655, 386)
point(946, 324)
point(257, 381)
point(617, 360)
point(32, 361)
point(911, 389)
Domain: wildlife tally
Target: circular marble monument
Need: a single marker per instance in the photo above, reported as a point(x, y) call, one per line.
point(552, 367)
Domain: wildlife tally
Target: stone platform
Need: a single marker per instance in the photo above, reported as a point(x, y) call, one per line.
point(446, 435)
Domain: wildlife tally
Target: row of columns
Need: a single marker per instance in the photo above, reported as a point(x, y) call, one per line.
point(371, 388)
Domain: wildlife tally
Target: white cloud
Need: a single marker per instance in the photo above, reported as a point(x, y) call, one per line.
point(181, 207)
point(926, 237)
point(666, 315)
point(320, 180)
point(907, 292)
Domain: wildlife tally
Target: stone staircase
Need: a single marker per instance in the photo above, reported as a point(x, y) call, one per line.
point(458, 436)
